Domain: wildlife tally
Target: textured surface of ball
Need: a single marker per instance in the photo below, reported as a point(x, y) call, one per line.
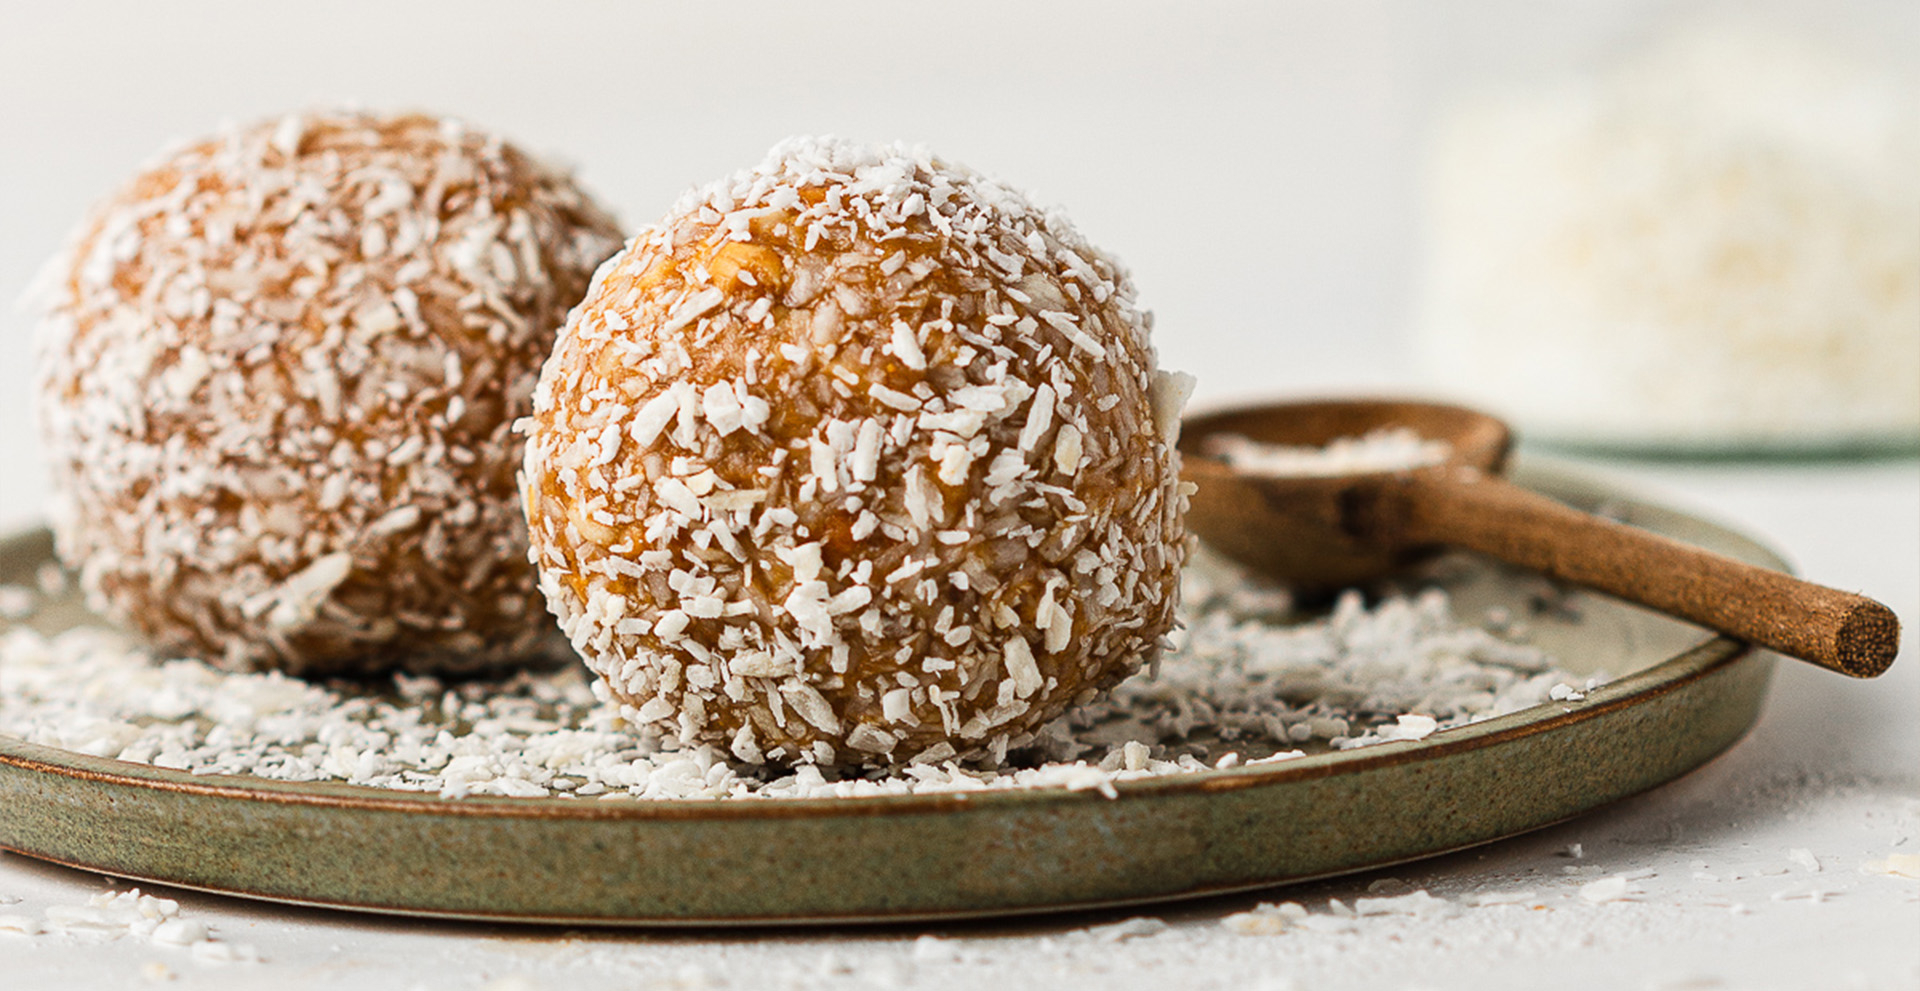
point(279, 374)
point(857, 457)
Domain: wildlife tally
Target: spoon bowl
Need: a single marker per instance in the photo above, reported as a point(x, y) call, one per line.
point(1298, 529)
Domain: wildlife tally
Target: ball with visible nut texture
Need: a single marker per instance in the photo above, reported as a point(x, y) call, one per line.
point(857, 457)
point(279, 373)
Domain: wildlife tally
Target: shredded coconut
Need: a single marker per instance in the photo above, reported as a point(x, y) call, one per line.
point(1896, 865)
point(1386, 449)
point(1607, 889)
point(1245, 682)
point(118, 914)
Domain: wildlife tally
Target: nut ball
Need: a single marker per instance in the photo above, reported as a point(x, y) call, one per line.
point(857, 457)
point(280, 369)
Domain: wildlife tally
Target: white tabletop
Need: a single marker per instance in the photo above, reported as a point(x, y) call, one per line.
point(1268, 145)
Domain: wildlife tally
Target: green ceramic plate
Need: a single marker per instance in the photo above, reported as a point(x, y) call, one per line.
point(1685, 696)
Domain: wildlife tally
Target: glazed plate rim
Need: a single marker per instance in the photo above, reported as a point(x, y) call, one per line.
point(1623, 691)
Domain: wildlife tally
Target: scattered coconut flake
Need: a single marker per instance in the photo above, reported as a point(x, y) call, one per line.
point(1486, 899)
point(1133, 928)
point(1265, 919)
point(1409, 726)
point(215, 952)
point(51, 578)
point(933, 949)
point(114, 914)
point(23, 925)
point(1255, 923)
point(1417, 903)
point(1814, 895)
point(1897, 865)
point(179, 932)
point(1803, 858)
point(1269, 919)
point(1247, 682)
point(1607, 889)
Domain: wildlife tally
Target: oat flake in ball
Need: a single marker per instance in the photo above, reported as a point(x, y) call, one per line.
point(857, 457)
point(279, 374)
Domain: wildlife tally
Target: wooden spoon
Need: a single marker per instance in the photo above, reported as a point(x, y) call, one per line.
point(1322, 533)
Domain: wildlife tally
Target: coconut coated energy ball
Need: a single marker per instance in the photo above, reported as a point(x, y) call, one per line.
point(857, 457)
point(280, 369)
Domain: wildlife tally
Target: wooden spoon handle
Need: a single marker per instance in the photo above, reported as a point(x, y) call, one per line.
point(1848, 633)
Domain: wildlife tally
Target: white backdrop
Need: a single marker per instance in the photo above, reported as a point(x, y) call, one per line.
point(1254, 163)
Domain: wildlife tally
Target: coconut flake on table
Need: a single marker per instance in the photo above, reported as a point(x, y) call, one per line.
point(1607, 889)
point(1896, 865)
point(1385, 449)
point(1245, 682)
point(111, 915)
